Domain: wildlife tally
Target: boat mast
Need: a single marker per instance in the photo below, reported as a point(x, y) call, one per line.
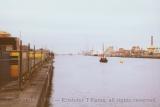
point(103, 49)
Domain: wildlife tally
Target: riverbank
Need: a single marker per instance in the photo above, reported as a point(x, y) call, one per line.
point(145, 56)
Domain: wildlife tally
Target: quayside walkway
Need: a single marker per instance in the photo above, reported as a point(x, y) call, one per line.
point(35, 91)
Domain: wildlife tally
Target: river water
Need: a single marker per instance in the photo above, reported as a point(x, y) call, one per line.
point(81, 81)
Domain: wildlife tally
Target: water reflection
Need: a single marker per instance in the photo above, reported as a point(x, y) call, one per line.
point(81, 81)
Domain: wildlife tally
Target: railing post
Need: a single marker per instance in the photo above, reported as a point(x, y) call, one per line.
point(29, 61)
point(20, 66)
point(34, 57)
point(41, 57)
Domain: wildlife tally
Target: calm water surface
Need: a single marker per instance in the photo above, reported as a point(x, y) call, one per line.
point(81, 81)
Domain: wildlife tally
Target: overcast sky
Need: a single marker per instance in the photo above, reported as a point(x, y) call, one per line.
point(74, 25)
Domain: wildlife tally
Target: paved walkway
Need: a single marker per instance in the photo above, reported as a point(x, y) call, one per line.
point(32, 95)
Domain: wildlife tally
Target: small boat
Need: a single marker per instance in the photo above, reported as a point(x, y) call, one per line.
point(121, 62)
point(103, 59)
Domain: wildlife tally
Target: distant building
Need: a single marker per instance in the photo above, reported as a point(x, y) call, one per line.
point(136, 51)
point(121, 53)
point(124, 52)
point(151, 49)
point(109, 51)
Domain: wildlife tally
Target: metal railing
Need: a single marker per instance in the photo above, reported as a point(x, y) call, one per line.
point(23, 63)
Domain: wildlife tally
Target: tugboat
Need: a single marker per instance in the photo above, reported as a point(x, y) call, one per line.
point(103, 59)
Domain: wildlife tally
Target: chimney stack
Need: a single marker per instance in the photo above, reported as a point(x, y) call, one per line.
point(151, 40)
